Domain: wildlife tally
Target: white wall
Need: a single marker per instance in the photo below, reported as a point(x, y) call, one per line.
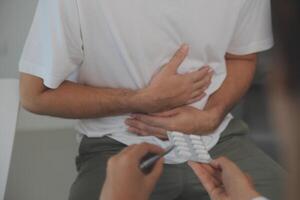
point(44, 150)
point(15, 21)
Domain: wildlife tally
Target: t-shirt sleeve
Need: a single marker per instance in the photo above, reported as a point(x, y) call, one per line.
point(253, 31)
point(53, 50)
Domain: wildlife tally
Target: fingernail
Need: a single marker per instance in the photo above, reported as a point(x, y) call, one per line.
point(211, 70)
point(205, 68)
point(184, 47)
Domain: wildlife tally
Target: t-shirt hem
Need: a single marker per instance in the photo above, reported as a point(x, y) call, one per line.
point(49, 81)
point(254, 47)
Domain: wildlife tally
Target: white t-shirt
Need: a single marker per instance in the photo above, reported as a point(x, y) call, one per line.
point(121, 44)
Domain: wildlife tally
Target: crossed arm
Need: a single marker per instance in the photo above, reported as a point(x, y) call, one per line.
point(187, 119)
point(72, 100)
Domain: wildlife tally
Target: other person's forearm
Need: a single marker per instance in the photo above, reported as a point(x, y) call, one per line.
point(240, 73)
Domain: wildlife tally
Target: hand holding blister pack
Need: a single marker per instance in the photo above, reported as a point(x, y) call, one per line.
point(189, 147)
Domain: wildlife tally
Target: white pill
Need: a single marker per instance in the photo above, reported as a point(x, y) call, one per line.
point(201, 151)
point(183, 148)
point(198, 146)
point(204, 161)
point(184, 153)
point(197, 142)
point(204, 157)
point(179, 139)
point(197, 137)
point(180, 143)
point(177, 134)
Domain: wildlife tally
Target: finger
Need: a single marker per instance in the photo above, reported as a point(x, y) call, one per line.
point(223, 163)
point(202, 84)
point(161, 122)
point(167, 113)
point(200, 97)
point(136, 124)
point(177, 58)
point(196, 94)
point(214, 173)
point(140, 150)
point(148, 130)
point(215, 177)
point(137, 131)
point(156, 172)
point(199, 75)
point(218, 193)
point(250, 179)
point(157, 132)
point(228, 167)
point(203, 176)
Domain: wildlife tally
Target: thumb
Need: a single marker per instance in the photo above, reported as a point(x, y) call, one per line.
point(156, 172)
point(167, 113)
point(221, 163)
point(177, 59)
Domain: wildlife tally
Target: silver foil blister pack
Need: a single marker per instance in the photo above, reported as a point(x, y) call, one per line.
point(189, 147)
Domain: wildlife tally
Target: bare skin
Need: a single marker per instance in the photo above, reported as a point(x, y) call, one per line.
point(72, 100)
point(189, 120)
point(223, 180)
point(124, 178)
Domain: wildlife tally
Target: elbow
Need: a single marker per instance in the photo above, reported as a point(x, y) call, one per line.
point(31, 93)
point(31, 104)
point(32, 101)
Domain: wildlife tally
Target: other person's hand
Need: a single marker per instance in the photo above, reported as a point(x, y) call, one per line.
point(223, 180)
point(186, 119)
point(168, 89)
point(125, 180)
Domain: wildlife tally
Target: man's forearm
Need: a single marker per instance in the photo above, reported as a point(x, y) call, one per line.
point(240, 73)
point(72, 100)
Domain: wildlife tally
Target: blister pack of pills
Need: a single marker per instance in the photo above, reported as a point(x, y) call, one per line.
point(189, 147)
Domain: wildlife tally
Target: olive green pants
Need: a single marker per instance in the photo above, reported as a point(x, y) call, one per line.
point(178, 182)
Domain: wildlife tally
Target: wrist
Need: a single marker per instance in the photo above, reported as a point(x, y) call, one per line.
point(140, 101)
point(215, 117)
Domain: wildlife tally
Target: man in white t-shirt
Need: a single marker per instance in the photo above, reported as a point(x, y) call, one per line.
point(173, 65)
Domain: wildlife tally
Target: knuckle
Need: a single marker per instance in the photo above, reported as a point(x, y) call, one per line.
point(179, 53)
point(148, 129)
point(143, 145)
point(222, 159)
point(131, 122)
point(138, 125)
point(143, 127)
point(200, 73)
